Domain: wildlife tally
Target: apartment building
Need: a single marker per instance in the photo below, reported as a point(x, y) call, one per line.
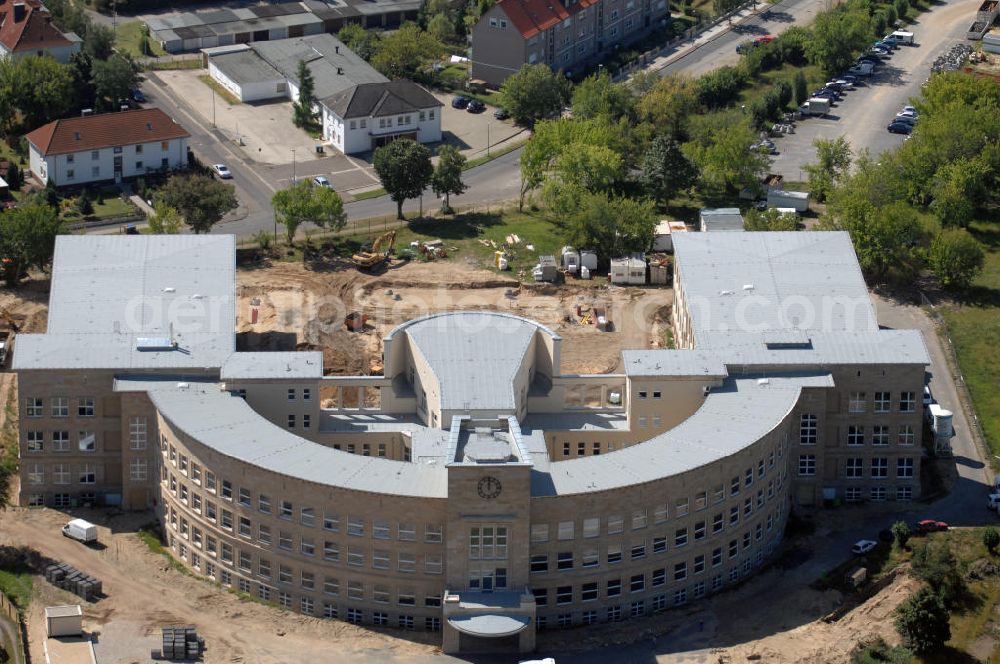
point(26, 30)
point(370, 115)
point(106, 147)
point(473, 488)
point(567, 35)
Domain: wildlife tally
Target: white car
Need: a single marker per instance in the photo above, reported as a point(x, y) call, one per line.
point(862, 547)
point(222, 171)
point(321, 181)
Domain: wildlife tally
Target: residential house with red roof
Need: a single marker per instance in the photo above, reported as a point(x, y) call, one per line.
point(106, 147)
point(26, 29)
point(566, 35)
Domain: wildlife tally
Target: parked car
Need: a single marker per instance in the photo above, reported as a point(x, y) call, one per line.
point(890, 40)
point(905, 119)
point(845, 83)
point(222, 171)
point(459, 102)
point(861, 547)
point(138, 97)
point(501, 114)
point(931, 526)
point(898, 127)
point(910, 109)
point(475, 106)
point(825, 94)
point(321, 181)
point(993, 500)
point(80, 530)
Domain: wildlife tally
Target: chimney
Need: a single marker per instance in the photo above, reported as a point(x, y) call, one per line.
point(20, 11)
point(336, 50)
point(340, 70)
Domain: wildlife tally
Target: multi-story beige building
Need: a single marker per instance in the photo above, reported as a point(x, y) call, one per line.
point(474, 488)
point(566, 35)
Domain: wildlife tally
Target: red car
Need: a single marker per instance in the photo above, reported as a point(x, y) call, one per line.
point(763, 39)
point(931, 526)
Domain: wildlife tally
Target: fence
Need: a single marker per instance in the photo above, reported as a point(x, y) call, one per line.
point(964, 396)
point(11, 612)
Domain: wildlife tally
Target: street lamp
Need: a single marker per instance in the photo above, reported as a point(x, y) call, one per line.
point(487, 138)
point(213, 108)
point(293, 165)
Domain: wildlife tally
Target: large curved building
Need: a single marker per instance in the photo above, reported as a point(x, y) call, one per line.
point(473, 488)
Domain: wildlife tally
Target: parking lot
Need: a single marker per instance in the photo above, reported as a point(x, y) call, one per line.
point(863, 114)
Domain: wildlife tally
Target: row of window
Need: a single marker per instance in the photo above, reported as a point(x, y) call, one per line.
point(855, 494)
point(854, 467)
point(86, 441)
point(35, 407)
point(309, 605)
point(96, 154)
point(882, 402)
point(640, 518)
point(564, 561)
point(63, 473)
point(95, 171)
point(401, 120)
point(857, 434)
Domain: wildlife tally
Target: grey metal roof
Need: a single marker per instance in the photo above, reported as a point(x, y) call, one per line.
point(756, 282)
point(474, 355)
point(334, 66)
point(721, 219)
point(245, 67)
point(380, 99)
point(228, 425)
point(108, 291)
point(733, 416)
point(490, 625)
point(673, 363)
point(296, 364)
point(824, 348)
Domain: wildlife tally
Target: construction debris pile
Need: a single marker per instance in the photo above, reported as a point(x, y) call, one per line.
point(67, 577)
point(180, 644)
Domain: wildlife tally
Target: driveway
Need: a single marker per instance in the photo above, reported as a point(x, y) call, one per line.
point(862, 114)
point(470, 132)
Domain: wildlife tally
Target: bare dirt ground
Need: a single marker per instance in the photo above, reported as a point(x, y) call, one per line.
point(299, 308)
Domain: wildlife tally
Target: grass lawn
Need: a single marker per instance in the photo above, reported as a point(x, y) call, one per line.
point(127, 40)
point(974, 328)
point(186, 63)
point(219, 90)
point(113, 206)
point(17, 587)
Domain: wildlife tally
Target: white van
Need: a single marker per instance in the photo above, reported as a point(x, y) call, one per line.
point(80, 530)
point(903, 37)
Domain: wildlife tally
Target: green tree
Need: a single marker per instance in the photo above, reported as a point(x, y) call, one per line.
point(720, 86)
point(304, 202)
point(201, 200)
point(593, 167)
point(447, 178)
point(442, 27)
point(668, 105)
point(403, 53)
point(28, 238)
point(770, 220)
point(991, 539)
point(15, 179)
point(599, 95)
point(614, 226)
point(724, 6)
point(361, 41)
point(874, 650)
point(838, 34)
point(956, 258)
point(833, 159)
point(404, 167)
point(165, 220)
point(801, 88)
point(958, 187)
point(303, 110)
point(81, 70)
point(533, 93)
point(902, 7)
point(99, 42)
point(39, 87)
point(721, 151)
point(922, 621)
point(114, 79)
point(934, 563)
point(85, 203)
point(666, 171)
point(900, 534)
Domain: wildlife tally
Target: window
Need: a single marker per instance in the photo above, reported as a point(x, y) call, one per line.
point(807, 465)
point(882, 402)
point(380, 529)
point(614, 588)
point(904, 493)
point(488, 543)
point(227, 490)
point(880, 435)
point(734, 515)
point(637, 583)
point(36, 474)
point(331, 551)
point(291, 421)
point(564, 595)
point(681, 507)
point(591, 527)
point(88, 474)
point(906, 434)
point(638, 550)
point(60, 406)
point(307, 547)
point(380, 559)
point(878, 493)
point(856, 402)
point(680, 571)
point(717, 523)
point(407, 532)
point(748, 477)
point(137, 470)
point(433, 564)
point(904, 467)
point(331, 523)
point(855, 435)
point(227, 520)
point(565, 530)
point(660, 513)
point(565, 560)
point(433, 534)
point(137, 433)
point(614, 553)
point(880, 468)
point(285, 508)
point(70, 173)
point(244, 497)
point(264, 534)
point(355, 557)
point(680, 537)
point(734, 486)
point(907, 402)
point(35, 441)
point(716, 556)
point(284, 540)
point(808, 429)
point(264, 503)
point(615, 525)
point(84, 407)
point(638, 519)
point(539, 562)
point(854, 468)
point(699, 564)
point(590, 558)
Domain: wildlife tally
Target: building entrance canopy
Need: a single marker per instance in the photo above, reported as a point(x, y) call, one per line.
point(490, 625)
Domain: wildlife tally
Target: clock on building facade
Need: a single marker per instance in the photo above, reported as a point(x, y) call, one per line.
point(489, 488)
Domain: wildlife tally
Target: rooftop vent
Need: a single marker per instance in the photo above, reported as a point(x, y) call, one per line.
point(747, 287)
point(169, 289)
point(726, 292)
point(149, 126)
point(155, 343)
point(340, 70)
point(763, 381)
point(87, 111)
point(76, 135)
point(183, 386)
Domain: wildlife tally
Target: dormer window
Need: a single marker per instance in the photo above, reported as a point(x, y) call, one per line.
point(76, 135)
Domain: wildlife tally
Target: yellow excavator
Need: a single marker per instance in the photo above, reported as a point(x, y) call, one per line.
point(379, 253)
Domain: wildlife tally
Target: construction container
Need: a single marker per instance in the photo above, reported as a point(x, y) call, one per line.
point(663, 236)
point(588, 259)
point(629, 270)
point(546, 270)
point(720, 219)
point(788, 199)
point(660, 269)
point(66, 620)
point(571, 259)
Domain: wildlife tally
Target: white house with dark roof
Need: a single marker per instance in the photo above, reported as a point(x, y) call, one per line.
point(370, 115)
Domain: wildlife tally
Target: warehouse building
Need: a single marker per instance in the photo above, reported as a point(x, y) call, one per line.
point(473, 488)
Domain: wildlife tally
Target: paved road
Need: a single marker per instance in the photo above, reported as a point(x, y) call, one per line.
point(862, 114)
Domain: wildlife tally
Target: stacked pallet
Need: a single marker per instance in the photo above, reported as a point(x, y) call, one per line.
point(67, 577)
point(180, 644)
